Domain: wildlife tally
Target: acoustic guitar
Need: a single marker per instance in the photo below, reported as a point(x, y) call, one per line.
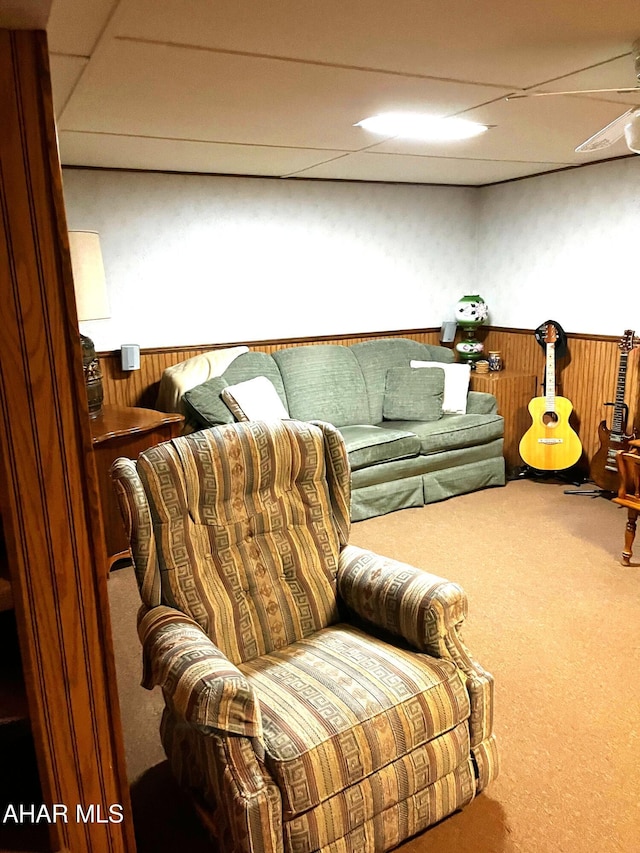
point(550, 443)
point(604, 469)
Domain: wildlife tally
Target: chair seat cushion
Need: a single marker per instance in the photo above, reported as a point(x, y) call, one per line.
point(367, 444)
point(340, 705)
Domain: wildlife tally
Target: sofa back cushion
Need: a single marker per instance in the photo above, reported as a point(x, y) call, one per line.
point(252, 364)
point(254, 400)
point(375, 357)
point(247, 521)
point(204, 405)
point(323, 382)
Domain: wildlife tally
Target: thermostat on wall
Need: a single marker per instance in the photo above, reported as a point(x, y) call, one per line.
point(130, 354)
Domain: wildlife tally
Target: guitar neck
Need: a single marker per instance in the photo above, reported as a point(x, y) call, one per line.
point(618, 421)
point(550, 386)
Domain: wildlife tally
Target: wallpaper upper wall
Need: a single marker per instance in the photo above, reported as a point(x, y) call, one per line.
point(563, 246)
point(192, 259)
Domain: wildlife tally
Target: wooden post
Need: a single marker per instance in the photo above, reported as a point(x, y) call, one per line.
point(48, 485)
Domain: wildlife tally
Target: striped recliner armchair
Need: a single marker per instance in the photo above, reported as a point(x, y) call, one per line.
point(318, 696)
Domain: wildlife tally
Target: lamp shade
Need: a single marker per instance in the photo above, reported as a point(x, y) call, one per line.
point(91, 304)
point(632, 133)
point(88, 275)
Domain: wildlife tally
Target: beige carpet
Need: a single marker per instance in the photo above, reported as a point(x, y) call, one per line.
point(556, 619)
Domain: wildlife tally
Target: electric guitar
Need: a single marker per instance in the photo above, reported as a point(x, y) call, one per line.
point(604, 469)
point(550, 443)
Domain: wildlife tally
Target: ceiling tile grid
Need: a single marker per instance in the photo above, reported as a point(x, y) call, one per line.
point(275, 89)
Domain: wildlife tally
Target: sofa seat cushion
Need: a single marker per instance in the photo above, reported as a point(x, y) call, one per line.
point(367, 444)
point(340, 704)
point(453, 431)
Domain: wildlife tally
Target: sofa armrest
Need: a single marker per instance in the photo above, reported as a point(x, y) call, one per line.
point(421, 607)
point(481, 403)
point(203, 687)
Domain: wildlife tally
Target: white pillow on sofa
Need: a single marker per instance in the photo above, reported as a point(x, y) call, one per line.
point(456, 385)
point(254, 400)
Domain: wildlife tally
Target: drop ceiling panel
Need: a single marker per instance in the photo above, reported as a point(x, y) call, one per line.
point(65, 73)
point(617, 73)
point(368, 166)
point(278, 85)
point(160, 91)
point(496, 41)
point(75, 25)
point(17, 15)
point(109, 151)
point(528, 129)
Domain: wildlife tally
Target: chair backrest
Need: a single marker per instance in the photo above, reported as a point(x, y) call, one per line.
point(629, 468)
point(240, 526)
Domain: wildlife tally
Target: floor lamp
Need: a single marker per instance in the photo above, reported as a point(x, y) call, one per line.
point(92, 304)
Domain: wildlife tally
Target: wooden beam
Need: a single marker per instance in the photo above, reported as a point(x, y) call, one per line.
point(47, 478)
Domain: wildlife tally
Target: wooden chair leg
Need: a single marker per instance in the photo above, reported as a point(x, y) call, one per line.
point(629, 536)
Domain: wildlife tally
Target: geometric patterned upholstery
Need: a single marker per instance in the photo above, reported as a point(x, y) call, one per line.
point(342, 702)
point(392, 804)
point(248, 523)
point(319, 697)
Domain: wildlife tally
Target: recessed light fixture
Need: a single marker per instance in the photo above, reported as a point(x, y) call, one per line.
point(418, 126)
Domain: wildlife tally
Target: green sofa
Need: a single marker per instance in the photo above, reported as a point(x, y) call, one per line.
point(399, 456)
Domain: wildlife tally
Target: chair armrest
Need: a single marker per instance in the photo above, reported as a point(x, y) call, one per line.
point(427, 611)
point(204, 688)
point(421, 607)
point(481, 403)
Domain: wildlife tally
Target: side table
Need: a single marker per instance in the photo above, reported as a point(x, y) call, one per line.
point(124, 431)
point(513, 390)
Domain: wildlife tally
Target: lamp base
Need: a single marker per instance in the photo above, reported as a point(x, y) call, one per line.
point(92, 376)
point(470, 349)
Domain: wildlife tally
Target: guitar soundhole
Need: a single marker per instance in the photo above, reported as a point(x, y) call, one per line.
point(550, 418)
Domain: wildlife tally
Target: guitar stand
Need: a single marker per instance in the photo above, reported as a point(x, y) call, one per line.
point(568, 476)
point(591, 493)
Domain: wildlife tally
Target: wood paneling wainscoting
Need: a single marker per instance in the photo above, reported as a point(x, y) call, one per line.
point(140, 387)
point(586, 375)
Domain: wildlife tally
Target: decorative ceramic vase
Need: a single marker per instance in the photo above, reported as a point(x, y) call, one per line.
point(470, 312)
point(469, 349)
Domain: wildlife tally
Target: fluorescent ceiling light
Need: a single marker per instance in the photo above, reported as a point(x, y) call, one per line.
point(422, 127)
